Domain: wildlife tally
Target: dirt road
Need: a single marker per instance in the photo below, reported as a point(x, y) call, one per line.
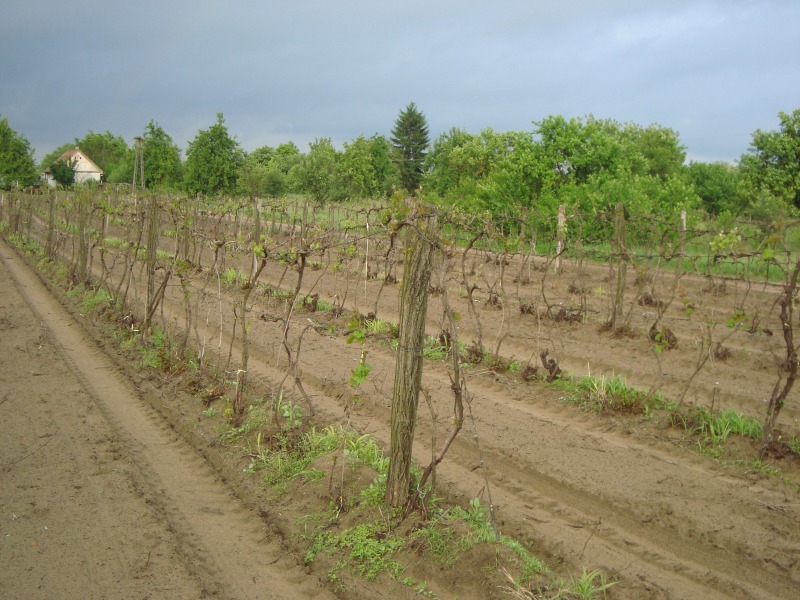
point(98, 498)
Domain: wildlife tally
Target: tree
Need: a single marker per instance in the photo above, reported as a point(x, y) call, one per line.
point(660, 148)
point(63, 172)
point(772, 163)
point(262, 156)
point(252, 176)
point(17, 167)
point(410, 142)
point(213, 159)
point(318, 172)
point(366, 169)
point(106, 150)
point(285, 158)
point(161, 157)
point(162, 161)
point(716, 184)
point(356, 170)
point(387, 176)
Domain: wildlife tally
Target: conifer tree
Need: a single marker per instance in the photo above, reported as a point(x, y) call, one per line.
point(410, 142)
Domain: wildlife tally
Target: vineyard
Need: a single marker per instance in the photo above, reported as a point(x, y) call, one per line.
point(576, 337)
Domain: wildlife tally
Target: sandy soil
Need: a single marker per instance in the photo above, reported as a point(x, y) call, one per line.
point(609, 492)
point(99, 498)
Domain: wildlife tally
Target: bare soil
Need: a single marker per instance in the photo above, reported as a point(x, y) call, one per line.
point(617, 492)
point(100, 498)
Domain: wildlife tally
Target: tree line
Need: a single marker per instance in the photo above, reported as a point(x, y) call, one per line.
point(588, 164)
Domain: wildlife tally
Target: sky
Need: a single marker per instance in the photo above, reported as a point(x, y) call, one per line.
point(714, 71)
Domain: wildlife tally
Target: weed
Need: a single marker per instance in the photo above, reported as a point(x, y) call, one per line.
point(232, 277)
point(380, 327)
point(794, 445)
point(601, 394)
point(292, 413)
point(590, 584)
point(439, 541)
point(719, 426)
point(375, 492)
point(763, 468)
point(366, 450)
point(419, 589)
point(434, 349)
point(370, 549)
point(94, 299)
point(257, 418)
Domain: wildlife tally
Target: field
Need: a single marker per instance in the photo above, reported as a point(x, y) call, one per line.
point(614, 400)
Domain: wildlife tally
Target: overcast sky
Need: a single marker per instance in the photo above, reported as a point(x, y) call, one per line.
point(713, 70)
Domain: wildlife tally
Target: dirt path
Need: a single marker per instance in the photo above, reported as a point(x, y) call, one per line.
point(99, 498)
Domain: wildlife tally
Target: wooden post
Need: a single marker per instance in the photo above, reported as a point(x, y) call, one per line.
point(622, 264)
point(408, 369)
point(560, 236)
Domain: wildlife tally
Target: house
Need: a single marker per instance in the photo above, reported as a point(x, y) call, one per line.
point(84, 167)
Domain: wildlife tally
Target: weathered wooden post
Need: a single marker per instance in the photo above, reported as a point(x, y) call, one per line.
point(560, 236)
point(622, 264)
point(408, 370)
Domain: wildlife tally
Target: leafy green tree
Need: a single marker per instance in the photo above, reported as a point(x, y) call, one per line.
point(387, 176)
point(518, 177)
point(318, 173)
point(456, 160)
point(161, 157)
point(63, 172)
point(573, 151)
point(658, 148)
point(772, 163)
point(287, 155)
point(262, 156)
point(106, 150)
point(254, 175)
point(17, 167)
point(213, 159)
point(410, 141)
point(356, 172)
point(285, 158)
point(264, 171)
point(162, 161)
point(366, 169)
point(716, 184)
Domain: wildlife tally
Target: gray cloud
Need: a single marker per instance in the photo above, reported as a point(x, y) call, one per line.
point(713, 70)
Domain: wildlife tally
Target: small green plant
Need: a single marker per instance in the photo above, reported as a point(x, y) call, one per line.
point(94, 299)
point(719, 426)
point(360, 372)
point(433, 349)
point(292, 413)
point(210, 412)
point(232, 277)
point(381, 327)
point(794, 445)
point(590, 584)
point(369, 549)
point(598, 394)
